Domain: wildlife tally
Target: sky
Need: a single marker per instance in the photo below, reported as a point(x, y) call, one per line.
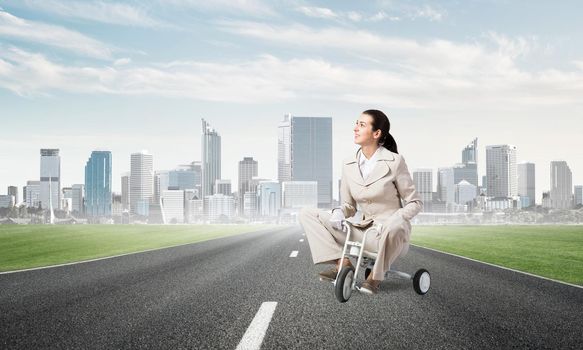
point(127, 76)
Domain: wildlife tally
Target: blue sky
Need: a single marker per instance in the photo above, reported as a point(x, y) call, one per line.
point(133, 75)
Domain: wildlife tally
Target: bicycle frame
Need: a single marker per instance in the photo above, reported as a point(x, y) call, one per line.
point(356, 248)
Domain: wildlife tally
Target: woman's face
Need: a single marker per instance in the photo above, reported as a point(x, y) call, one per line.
point(363, 134)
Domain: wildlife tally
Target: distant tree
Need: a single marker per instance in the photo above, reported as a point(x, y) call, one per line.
point(22, 211)
point(13, 212)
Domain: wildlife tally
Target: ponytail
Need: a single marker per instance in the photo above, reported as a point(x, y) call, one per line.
point(380, 121)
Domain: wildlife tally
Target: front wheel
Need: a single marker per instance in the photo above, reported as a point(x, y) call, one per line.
point(421, 281)
point(343, 288)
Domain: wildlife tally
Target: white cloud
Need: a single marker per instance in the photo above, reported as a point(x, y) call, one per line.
point(248, 7)
point(398, 11)
point(382, 15)
point(437, 56)
point(578, 64)
point(269, 79)
point(427, 12)
point(513, 47)
point(318, 12)
point(349, 16)
point(29, 74)
point(411, 11)
point(98, 11)
point(51, 35)
point(354, 16)
point(122, 61)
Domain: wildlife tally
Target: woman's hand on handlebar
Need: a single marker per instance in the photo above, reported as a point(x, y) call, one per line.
point(336, 219)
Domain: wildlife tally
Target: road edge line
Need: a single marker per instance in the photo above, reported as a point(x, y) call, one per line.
point(500, 267)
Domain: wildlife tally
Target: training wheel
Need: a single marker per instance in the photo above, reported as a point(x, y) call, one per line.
point(421, 281)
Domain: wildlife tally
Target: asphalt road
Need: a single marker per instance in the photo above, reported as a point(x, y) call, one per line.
point(205, 295)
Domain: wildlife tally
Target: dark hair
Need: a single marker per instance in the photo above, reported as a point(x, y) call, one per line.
point(380, 121)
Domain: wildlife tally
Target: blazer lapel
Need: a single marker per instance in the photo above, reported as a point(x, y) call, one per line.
point(381, 168)
point(353, 172)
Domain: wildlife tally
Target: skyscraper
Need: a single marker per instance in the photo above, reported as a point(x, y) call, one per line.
point(307, 145)
point(196, 167)
point(561, 185)
point(423, 179)
point(223, 187)
point(78, 198)
point(248, 168)
point(468, 172)
point(125, 191)
point(98, 184)
point(211, 158)
point(299, 194)
point(13, 191)
point(67, 199)
point(141, 182)
point(6, 201)
point(446, 185)
point(468, 169)
point(465, 193)
point(470, 152)
point(578, 195)
point(32, 194)
point(161, 184)
point(182, 178)
point(546, 200)
point(219, 208)
point(526, 182)
point(172, 206)
point(284, 149)
point(501, 171)
point(50, 170)
point(269, 198)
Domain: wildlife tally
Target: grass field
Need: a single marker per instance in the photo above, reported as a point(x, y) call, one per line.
point(26, 246)
point(550, 251)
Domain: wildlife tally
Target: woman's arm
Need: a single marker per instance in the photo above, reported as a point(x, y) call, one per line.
point(407, 192)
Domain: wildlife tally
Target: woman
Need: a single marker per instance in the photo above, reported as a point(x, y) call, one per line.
point(375, 179)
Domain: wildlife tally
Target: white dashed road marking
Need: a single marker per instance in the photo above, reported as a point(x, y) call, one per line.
point(293, 254)
point(301, 240)
point(253, 337)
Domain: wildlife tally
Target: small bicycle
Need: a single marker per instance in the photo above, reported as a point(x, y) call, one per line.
point(345, 281)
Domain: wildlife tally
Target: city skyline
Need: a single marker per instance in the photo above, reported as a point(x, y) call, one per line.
point(132, 77)
point(174, 177)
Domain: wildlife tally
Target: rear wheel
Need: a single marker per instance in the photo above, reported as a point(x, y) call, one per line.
point(343, 288)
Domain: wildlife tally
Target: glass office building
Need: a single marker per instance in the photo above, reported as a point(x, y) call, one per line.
point(141, 182)
point(50, 178)
point(211, 158)
point(98, 184)
point(309, 143)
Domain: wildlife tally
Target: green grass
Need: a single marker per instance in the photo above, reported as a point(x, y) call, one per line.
point(26, 246)
point(550, 251)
